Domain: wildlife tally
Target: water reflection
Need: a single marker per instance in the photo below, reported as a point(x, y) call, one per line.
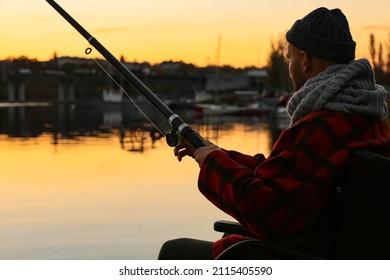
point(96, 183)
point(70, 122)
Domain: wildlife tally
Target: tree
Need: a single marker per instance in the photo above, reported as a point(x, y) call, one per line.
point(380, 66)
point(381, 63)
point(277, 67)
point(373, 50)
point(388, 57)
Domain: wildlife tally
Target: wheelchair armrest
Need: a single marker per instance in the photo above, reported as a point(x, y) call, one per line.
point(230, 227)
point(254, 247)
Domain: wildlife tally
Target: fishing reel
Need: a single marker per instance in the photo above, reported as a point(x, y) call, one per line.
point(173, 138)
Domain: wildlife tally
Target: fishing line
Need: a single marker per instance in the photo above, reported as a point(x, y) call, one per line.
point(88, 51)
point(179, 127)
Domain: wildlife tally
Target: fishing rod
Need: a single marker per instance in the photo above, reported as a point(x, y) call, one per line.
point(179, 127)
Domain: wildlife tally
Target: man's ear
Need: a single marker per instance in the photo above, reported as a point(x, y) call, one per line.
point(307, 62)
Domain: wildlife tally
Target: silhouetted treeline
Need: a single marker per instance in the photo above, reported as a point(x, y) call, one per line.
point(380, 59)
point(76, 65)
point(277, 68)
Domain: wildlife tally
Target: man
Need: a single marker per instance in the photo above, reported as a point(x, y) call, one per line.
point(336, 108)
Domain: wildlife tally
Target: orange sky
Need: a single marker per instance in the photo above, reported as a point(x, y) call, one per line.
point(159, 30)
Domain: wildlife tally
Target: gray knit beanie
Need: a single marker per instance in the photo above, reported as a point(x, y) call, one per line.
point(324, 33)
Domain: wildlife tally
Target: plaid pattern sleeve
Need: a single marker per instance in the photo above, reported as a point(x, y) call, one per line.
point(250, 162)
point(284, 193)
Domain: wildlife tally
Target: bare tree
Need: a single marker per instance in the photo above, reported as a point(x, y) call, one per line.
point(277, 66)
point(388, 56)
point(380, 64)
point(372, 50)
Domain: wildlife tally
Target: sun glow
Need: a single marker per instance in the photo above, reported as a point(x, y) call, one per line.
point(156, 30)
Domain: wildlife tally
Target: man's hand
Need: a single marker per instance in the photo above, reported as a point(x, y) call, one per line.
point(184, 149)
point(201, 153)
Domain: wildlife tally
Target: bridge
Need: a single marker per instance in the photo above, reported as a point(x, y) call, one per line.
point(17, 85)
point(53, 85)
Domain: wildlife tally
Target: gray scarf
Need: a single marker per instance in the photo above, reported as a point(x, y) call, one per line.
point(347, 88)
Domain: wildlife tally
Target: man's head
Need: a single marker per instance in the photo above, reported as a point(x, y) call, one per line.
point(320, 39)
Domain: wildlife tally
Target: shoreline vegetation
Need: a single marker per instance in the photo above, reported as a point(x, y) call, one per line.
point(23, 79)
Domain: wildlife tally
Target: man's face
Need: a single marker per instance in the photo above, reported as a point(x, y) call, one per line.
point(295, 66)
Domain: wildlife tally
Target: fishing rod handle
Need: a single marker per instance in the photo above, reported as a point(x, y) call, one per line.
point(193, 137)
point(181, 129)
point(174, 138)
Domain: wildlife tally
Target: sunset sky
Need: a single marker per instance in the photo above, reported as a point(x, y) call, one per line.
point(180, 30)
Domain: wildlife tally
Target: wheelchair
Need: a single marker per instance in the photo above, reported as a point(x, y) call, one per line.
point(355, 223)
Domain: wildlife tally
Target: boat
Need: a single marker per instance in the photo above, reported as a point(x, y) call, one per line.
point(113, 96)
point(181, 103)
point(204, 96)
point(216, 109)
point(257, 109)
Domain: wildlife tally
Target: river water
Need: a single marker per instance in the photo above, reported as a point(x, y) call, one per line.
point(83, 182)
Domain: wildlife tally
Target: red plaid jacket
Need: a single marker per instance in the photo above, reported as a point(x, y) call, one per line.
point(280, 196)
